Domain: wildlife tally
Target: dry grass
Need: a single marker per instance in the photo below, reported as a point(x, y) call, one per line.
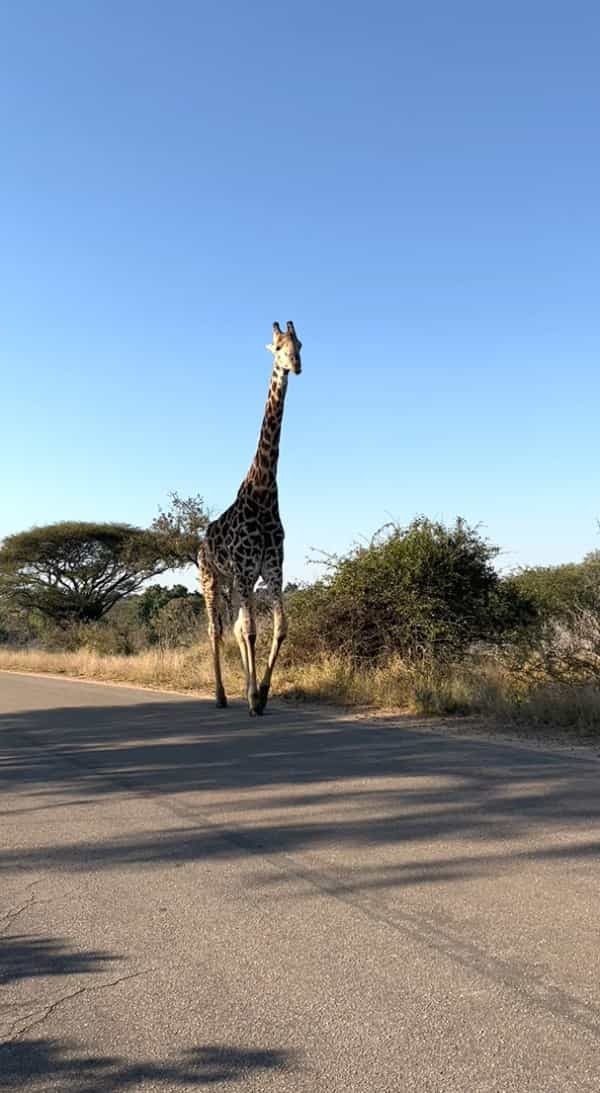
point(171, 669)
point(333, 679)
point(510, 694)
point(483, 686)
point(327, 679)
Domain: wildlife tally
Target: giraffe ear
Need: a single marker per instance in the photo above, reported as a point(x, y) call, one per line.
point(271, 348)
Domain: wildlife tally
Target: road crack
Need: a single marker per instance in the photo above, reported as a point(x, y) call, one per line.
point(8, 917)
point(42, 1015)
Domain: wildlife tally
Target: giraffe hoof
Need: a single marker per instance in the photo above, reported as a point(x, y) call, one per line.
point(221, 703)
point(263, 694)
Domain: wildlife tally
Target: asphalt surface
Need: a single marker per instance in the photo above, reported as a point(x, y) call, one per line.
point(190, 899)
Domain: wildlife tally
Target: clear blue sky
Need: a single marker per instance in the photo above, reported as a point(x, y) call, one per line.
point(416, 185)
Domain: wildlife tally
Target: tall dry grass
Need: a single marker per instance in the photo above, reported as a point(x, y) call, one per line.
point(513, 694)
point(170, 669)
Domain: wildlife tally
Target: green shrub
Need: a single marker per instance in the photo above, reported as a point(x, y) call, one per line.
point(424, 592)
point(170, 616)
point(560, 590)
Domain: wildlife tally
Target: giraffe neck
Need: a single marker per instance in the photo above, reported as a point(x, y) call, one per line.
point(263, 470)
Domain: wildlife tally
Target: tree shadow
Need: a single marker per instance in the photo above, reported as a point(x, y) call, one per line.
point(53, 1062)
point(293, 782)
point(24, 957)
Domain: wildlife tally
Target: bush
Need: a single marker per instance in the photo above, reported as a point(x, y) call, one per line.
point(424, 592)
point(561, 590)
point(565, 644)
point(170, 616)
point(180, 622)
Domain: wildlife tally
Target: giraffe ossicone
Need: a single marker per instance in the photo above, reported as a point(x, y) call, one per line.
point(245, 543)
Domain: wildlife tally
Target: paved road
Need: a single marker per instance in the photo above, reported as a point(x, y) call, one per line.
point(193, 900)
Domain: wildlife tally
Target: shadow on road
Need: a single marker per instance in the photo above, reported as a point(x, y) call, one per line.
point(57, 1065)
point(25, 957)
point(292, 782)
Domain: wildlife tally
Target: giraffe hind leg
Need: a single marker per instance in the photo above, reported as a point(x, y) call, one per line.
point(210, 589)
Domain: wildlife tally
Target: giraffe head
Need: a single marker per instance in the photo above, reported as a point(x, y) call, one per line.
point(286, 348)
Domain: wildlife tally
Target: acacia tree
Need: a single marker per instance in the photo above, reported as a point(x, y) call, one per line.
point(75, 572)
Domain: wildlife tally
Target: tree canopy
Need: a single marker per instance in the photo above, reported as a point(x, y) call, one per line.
point(75, 571)
point(182, 526)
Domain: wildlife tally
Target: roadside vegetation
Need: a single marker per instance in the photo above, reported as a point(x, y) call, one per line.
point(419, 618)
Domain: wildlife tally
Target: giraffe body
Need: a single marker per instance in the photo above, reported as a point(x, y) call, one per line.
point(245, 543)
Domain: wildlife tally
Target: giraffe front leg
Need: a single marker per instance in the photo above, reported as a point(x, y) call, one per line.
point(238, 630)
point(246, 628)
point(279, 634)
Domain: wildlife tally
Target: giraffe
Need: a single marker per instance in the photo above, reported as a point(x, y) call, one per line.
point(246, 541)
